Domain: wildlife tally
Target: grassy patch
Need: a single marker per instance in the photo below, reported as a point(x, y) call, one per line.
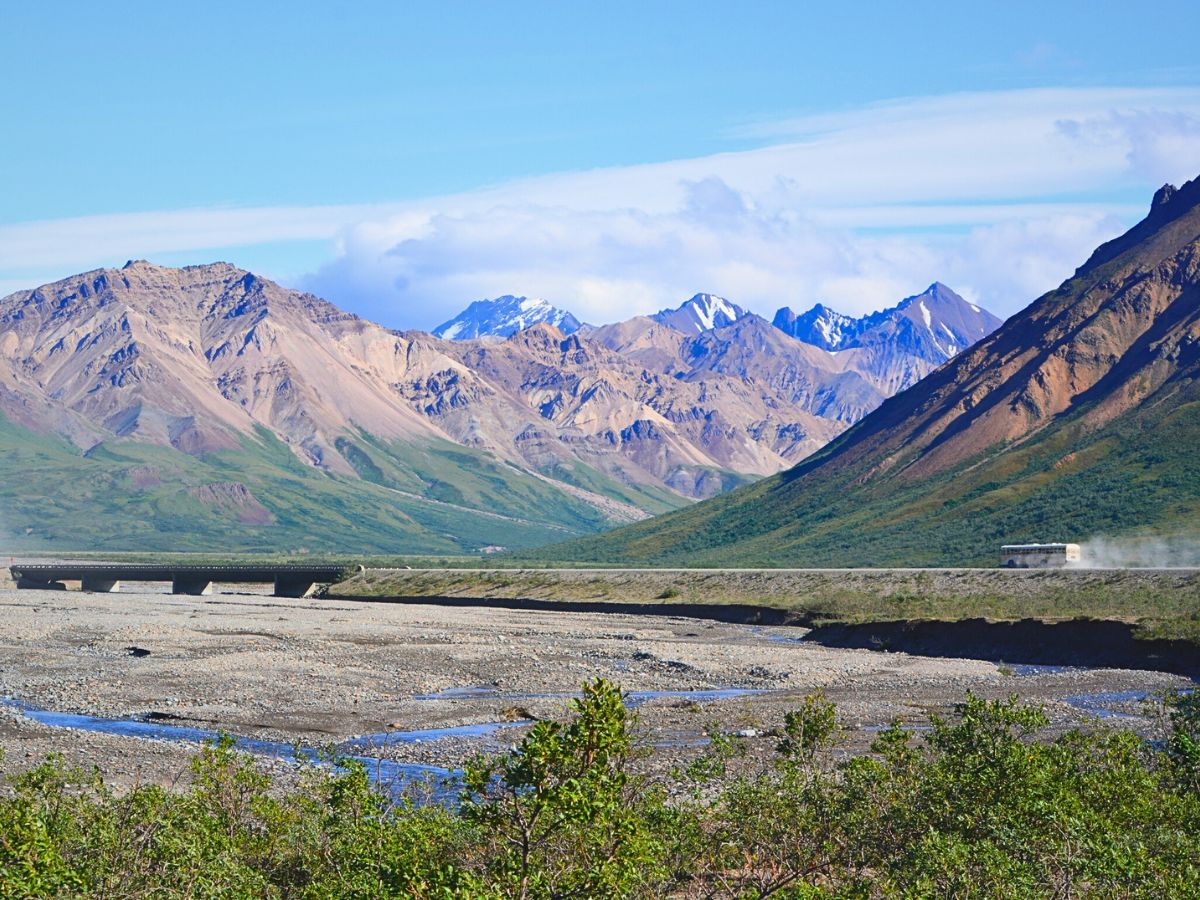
point(1162, 604)
point(129, 496)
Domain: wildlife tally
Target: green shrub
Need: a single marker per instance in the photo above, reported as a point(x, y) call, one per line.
point(981, 805)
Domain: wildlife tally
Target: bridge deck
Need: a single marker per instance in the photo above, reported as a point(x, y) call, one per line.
point(289, 580)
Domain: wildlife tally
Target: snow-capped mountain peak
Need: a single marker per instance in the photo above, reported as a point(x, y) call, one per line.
point(821, 326)
point(505, 316)
point(700, 313)
point(933, 325)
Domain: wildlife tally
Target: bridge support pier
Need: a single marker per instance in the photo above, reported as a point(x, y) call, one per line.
point(293, 586)
point(100, 585)
point(289, 580)
point(34, 584)
point(196, 587)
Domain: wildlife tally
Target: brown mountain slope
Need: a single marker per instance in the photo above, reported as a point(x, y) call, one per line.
point(1100, 345)
point(789, 372)
point(1080, 415)
point(207, 407)
point(572, 397)
point(194, 357)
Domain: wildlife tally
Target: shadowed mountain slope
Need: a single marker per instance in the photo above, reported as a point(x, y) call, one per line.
point(1079, 416)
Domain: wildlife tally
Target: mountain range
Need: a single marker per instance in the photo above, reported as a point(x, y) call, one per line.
point(1078, 417)
point(209, 407)
point(900, 345)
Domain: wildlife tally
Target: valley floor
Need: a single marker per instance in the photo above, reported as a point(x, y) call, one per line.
point(321, 672)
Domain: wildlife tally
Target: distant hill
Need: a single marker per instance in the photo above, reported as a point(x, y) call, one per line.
point(504, 317)
point(1079, 416)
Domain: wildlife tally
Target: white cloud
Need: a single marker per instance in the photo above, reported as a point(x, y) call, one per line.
point(856, 209)
point(1161, 145)
point(609, 264)
point(999, 194)
point(92, 240)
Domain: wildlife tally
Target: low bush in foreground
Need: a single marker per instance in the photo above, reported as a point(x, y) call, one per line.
point(978, 806)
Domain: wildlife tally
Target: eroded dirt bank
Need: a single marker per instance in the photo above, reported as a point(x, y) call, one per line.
point(1075, 642)
point(320, 672)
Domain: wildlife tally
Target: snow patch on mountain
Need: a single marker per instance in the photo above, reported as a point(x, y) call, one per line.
point(820, 326)
point(700, 313)
point(505, 316)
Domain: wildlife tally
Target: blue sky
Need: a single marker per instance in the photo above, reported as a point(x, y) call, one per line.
point(405, 159)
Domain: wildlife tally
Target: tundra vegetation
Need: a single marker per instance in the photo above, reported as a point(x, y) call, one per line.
point(980, 805)
point(1158, 604)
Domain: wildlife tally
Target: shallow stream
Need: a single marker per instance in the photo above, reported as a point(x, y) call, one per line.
point(396, 777)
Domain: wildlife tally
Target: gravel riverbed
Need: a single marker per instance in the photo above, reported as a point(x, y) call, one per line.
point(322, 673)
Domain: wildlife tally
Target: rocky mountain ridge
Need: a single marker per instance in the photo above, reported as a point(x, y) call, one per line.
point(612, 423)
point(891, 349)
point(899, 345)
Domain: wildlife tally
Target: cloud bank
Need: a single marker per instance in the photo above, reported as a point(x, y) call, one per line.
point(998, 194)
point(610, 264)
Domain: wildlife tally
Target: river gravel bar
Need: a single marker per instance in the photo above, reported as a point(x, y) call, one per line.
point(322, 673)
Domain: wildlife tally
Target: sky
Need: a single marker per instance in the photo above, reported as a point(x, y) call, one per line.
point(403, 160)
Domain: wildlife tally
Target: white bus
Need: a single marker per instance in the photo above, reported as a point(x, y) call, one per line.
point(1039, 556)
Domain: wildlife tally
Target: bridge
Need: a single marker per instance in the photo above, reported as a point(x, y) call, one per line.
point(289, 580)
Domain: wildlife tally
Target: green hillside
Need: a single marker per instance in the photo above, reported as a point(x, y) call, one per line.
point(432, 499)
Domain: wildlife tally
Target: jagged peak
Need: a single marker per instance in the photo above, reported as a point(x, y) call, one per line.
point(217, 265)
point(1169, 204)
point(1163, 196)
point(1177, 199)
point(700, 312)
point(709, 301)
point(821, 309)
point(936, 291)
